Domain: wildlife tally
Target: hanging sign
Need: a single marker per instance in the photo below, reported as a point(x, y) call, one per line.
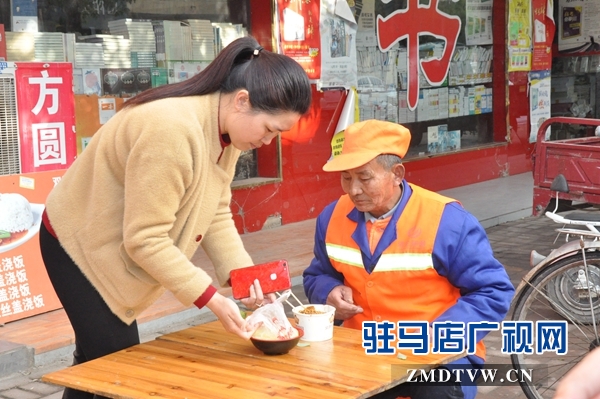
point(539, 102)
point(519, 35)
point(2, 43)
point(299, 35)
point(46, 115)
point(24, 15)
point(478, 30)
point(338, 44)
point(543, 34)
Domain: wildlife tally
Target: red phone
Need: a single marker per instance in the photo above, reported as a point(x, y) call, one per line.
point(273, 276)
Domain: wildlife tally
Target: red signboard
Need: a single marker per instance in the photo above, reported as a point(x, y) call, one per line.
point(300, 34)
point(46, 115)
point(2, 43)
point(25, 289)
point(544, 27)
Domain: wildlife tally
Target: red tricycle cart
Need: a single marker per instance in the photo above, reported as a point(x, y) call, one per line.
point(578, 159)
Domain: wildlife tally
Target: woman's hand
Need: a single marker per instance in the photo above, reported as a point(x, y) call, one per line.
point(256, 298)
point(230, 317)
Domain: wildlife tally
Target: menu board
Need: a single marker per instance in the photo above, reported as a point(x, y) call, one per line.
point(25, 289)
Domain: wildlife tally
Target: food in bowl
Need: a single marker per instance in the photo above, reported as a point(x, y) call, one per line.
point(276, 346)
point(310, 310)
point(16, 217)
point(316, 323)
point(283, 334)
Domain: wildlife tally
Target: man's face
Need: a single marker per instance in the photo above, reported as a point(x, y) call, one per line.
point(372, 188)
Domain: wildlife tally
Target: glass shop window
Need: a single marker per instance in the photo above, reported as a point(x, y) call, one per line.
point(120, 48)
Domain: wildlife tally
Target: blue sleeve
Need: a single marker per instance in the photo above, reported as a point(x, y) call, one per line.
point(320, 277)
point(462, 253)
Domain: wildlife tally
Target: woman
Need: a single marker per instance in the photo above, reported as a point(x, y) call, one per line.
point(154, 184)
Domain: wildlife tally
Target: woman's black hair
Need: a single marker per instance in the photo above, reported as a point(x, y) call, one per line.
point(275, 82)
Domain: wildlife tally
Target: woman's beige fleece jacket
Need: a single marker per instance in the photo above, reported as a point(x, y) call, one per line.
point(152, 185)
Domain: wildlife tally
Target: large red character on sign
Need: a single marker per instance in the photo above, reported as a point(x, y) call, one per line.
point(410, 23)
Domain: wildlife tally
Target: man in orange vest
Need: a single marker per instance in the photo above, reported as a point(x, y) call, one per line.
point(390, 251)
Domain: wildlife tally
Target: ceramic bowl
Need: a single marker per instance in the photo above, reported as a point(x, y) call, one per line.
point(276, 347)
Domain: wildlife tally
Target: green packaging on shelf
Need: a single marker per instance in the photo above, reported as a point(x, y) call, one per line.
point(160, 76)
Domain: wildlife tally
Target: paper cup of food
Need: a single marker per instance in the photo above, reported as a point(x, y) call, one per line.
point(316, 321)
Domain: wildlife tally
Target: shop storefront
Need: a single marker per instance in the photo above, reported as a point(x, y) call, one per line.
point(440, 69)
point(575, 66)
point(469, 78)
point(468, 112)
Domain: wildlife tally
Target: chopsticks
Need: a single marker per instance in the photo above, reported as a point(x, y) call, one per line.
point(295, 297)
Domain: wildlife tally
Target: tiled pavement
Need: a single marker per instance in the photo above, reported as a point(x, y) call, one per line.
point(511, 242)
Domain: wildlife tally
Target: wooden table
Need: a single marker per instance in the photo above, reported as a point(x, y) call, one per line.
point(207, 362)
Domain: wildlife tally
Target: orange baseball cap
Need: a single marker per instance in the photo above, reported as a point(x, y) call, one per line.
point(363, 141)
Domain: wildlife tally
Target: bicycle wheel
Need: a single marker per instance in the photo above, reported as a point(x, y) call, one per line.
point(570, 291)
point(557, 293)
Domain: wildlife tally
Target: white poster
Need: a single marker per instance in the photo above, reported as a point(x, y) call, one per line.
point(338, 45)
point(107, 108)
point(366, 35)
point(579, 25)
point(478, 27)
point(24, 24)
point(91, 82)
point(539, 102)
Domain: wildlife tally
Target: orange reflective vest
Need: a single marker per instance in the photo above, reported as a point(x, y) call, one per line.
point(404, 285)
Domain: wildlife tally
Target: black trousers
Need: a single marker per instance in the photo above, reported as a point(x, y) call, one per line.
point(415, 390)
point(98, 331)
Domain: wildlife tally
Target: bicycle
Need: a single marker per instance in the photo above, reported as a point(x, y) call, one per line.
point(565, 285)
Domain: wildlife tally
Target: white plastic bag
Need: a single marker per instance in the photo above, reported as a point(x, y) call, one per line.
point(274, 324)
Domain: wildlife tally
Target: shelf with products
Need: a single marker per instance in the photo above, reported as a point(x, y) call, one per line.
point(449, 135)
point(446, 102)
point(574, 93)
point(470, 65)
point(458, 108)
point(448, 117)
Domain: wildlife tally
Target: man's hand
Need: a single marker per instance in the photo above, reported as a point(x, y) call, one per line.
point(341, 299)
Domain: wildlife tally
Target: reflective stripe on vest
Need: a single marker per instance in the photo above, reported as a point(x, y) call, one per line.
point(387, 262)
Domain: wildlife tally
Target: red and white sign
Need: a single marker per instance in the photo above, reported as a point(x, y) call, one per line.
point(401, 25)
point(2, 43)
point(543, 22)
point(299, 33)
point(46, 115)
